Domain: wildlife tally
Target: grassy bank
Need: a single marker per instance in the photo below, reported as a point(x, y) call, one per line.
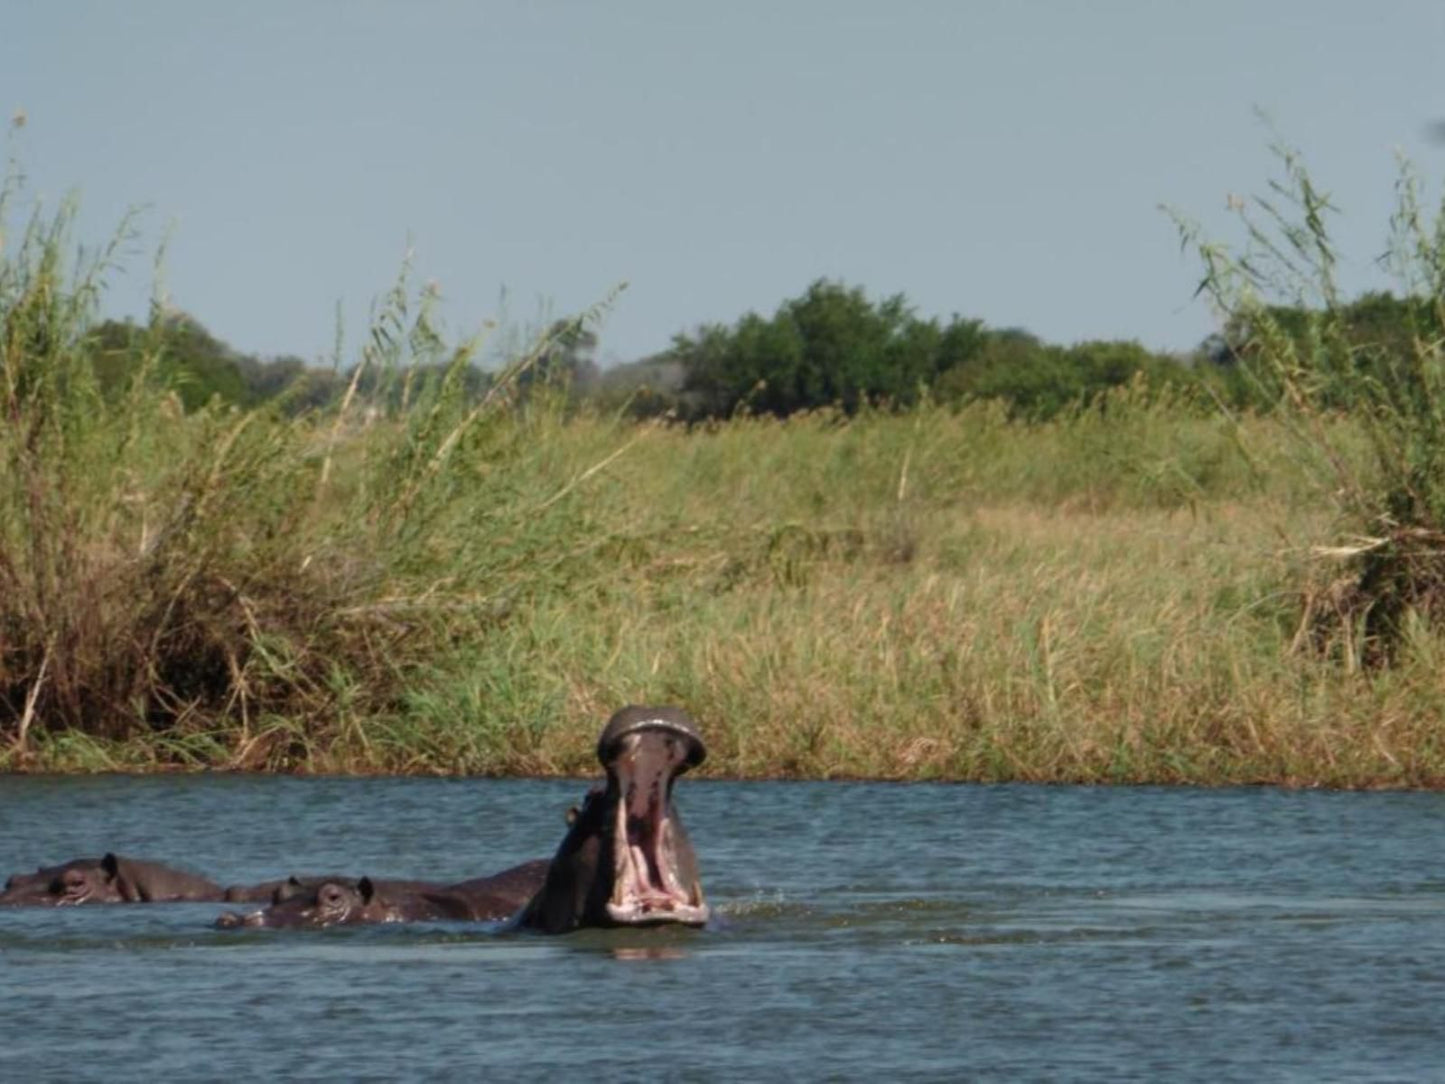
point(918, 598)
point(418, 581)
point(936, 596)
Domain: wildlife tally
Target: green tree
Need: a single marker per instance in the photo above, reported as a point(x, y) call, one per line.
point(1038, 380)
point(830, 347)
point(187, 358)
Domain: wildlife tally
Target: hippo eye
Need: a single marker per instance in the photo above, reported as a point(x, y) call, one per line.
point(331, 894)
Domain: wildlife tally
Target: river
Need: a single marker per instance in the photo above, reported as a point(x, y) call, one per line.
point(864, 931)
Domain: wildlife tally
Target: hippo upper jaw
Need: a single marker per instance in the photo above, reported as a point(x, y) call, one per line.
point(654, 876)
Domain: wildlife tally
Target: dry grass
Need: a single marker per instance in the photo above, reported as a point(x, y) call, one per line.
point(826, 613)
point(1018, 643)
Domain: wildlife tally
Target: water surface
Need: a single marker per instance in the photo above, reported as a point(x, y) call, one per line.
point(865, 931)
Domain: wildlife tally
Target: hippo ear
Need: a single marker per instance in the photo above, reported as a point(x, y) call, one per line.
point(366, 888)
point(111, 864)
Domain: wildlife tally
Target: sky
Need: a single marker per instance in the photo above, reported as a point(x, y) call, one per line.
point(1001, 159)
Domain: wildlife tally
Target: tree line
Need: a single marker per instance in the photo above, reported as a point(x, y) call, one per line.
point(830, 347)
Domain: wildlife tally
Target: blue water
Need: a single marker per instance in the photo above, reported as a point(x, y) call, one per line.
point(866, 931)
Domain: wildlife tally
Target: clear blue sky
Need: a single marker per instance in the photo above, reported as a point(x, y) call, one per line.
point(1003, 159)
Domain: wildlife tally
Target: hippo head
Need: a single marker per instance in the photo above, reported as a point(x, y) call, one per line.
point(108, 879)
point(626, 860)
point(338, 901)
point(81, 880)
point(35, 888)
point(88, 884)
point(296, 902)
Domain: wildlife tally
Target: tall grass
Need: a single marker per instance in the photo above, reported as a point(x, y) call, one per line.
point(418, 582)
point(173, 576)
point(1386, 568)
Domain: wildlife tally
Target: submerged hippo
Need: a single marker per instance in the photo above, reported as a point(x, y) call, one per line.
point(108, 879)
point(344, 901)
point(45, 885)
point(626, 860)
point(338, 901)
point(276, 891)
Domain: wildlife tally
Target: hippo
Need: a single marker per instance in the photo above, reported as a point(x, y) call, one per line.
point(36, 888)
point(108, 879)
point(334, 901)
point(626, 859)
point(347, 901)
point(500, 896)
point(276, 891)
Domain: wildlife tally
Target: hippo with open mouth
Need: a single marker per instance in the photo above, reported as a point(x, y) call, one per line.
point(626, 860)
point(108, 879)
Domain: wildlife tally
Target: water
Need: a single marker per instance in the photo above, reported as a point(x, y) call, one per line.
point(866, 931)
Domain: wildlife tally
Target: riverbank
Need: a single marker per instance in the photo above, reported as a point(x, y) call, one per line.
point(1110, 597)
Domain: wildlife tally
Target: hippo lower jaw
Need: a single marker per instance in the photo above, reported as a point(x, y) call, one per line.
point(646, 888)
point(656, 912)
